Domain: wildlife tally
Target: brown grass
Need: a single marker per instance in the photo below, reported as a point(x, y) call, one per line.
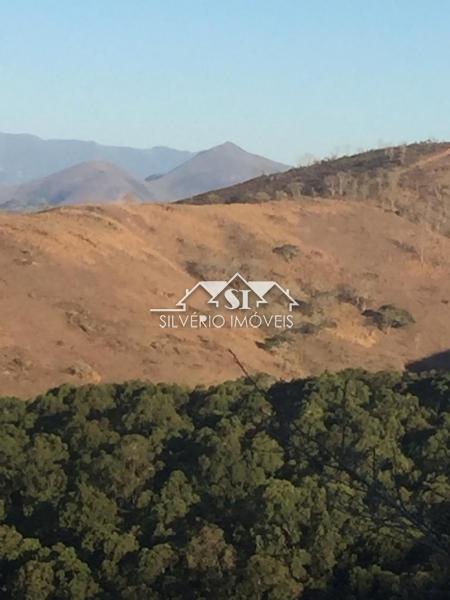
point(76, 286)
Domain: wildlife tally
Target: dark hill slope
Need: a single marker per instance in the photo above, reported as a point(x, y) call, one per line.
point(411, 180)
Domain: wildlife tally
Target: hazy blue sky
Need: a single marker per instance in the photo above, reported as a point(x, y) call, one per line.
point(281, 78)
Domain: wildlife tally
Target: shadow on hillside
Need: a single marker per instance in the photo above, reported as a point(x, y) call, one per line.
point(439, 361)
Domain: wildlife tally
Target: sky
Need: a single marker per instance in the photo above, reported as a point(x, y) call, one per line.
point(282, 78)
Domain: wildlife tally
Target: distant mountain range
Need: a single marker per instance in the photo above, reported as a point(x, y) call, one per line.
point(217, 167)
point(25, 157)
point(100, 181)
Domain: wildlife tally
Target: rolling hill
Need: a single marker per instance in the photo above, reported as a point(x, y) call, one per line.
point(77, 283)
point(25, 157)
point(412, 180)
point(217, 167)
point(94, 182)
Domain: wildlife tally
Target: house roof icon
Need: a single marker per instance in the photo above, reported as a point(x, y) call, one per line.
point(215, 288)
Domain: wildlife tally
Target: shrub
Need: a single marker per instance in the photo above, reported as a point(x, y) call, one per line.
point(284, 337)
point(273, 341)
point(349, 295)
point(287, 251)
point(305, 308)
point(390, 316)
point(307, 329)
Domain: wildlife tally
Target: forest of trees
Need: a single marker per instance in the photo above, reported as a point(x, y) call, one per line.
point(327, 488)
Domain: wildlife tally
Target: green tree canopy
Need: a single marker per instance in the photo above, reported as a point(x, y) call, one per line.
point(332, 487)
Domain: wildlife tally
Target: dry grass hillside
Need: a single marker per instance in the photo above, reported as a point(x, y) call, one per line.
point(77, 283)
point(411, 180)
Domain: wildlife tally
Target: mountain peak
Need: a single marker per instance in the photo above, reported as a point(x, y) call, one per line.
point(229, 144)
point(216, 167)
